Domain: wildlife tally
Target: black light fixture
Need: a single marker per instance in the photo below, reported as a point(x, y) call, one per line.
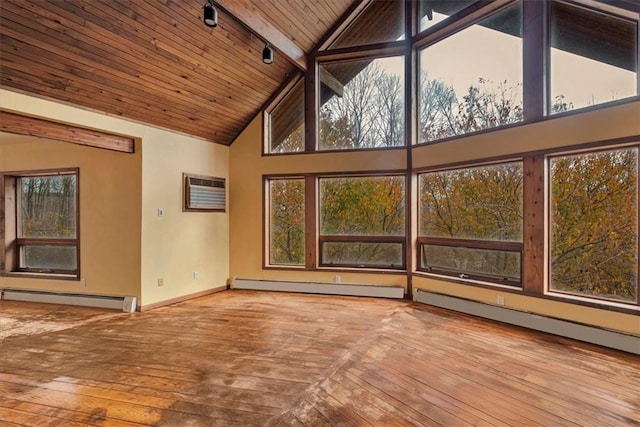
point(210, 19)
point(267, 54)
point(210, 15)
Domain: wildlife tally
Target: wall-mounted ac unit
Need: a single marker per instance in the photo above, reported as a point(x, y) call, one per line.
point(204, 193)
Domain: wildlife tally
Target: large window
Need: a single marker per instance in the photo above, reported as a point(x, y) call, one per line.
point(471, 223)
point(594, 224)
point(472, 80)
point(286, 221)
point(362, 104)
point(470, 57)
point(44, 239)
point(362, 221)
point(560, 222)
point(593, 56)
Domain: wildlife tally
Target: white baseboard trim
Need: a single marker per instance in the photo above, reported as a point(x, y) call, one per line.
point(564, 328)
point(127, 304)
point(320, 288)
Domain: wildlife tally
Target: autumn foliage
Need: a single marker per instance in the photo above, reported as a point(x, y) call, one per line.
point(592, 201)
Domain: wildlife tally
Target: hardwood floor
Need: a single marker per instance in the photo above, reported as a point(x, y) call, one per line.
point(258, 358)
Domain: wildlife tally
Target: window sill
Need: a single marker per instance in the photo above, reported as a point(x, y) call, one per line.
point(603, 304)
point(33, 275)
point(336, 269)
point(550, 296)
point(472, 282)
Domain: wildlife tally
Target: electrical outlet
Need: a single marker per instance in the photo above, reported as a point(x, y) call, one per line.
point(160, 281)
point(83, 282)
point(160, 212)
point(196, 275)
point(500, 300)
point(337, 278)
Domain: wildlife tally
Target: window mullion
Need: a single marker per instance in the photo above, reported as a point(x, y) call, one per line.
point(535, 47)
point(311, 221)
point(312, 106)
point(533, 232)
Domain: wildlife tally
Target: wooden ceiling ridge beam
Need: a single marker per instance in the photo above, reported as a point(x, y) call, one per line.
point(245, 14)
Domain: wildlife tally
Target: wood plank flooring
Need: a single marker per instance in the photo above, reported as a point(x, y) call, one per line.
point(242, 358)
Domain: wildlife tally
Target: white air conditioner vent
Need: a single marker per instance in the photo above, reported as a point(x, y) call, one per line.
point(203, 193)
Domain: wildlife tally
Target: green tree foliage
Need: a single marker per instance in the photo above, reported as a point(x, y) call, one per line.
point(594, 202)
point(482, 203)
point(287, 221)
point(594, 224)
point(362, 206)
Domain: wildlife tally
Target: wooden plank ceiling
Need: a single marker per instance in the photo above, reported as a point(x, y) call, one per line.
point(154, 61)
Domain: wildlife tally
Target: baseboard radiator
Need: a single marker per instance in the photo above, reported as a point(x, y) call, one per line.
point(564, 328)
point(126, 304)
point(345, 289)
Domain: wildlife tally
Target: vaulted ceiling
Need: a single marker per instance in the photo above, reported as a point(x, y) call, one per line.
point(154, 61)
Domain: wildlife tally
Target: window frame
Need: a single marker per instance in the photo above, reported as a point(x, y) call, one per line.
point(344, 55)
point(313, 239)
point(466, 18)
point(495, 245)
point(569, 296)
point(267, 223)
point(353, 238)
point(14, 243)
point(535, 64)
point(272, 104)
point(619, 10)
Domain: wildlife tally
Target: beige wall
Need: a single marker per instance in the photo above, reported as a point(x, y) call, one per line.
point(247, 167)
point(178, 244)
point(125, 246)
point(593, 126)
point(110, 194)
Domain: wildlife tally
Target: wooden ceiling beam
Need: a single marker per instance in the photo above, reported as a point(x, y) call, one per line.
point(41, 128)
point(243, 12)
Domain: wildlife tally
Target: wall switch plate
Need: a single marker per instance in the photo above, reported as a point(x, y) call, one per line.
point(160, 281)
point(196, 275)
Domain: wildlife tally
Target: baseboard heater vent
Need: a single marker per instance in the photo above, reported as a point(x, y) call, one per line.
point(320, 288)
point(577, 331)
point(127, 304)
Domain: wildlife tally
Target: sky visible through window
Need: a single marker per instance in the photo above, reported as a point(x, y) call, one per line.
point(580, 80)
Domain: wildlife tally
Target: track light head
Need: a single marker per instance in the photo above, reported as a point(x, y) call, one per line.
point(210, 15)
point(267, 54)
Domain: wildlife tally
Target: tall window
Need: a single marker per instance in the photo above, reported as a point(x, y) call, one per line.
point(472, 80)
point(362, 221)
point(286, 122)
point(362, 104)
point(593, 56)
point(471, 223)
point(45, 234)
point(286, 221)
point(594, 224)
